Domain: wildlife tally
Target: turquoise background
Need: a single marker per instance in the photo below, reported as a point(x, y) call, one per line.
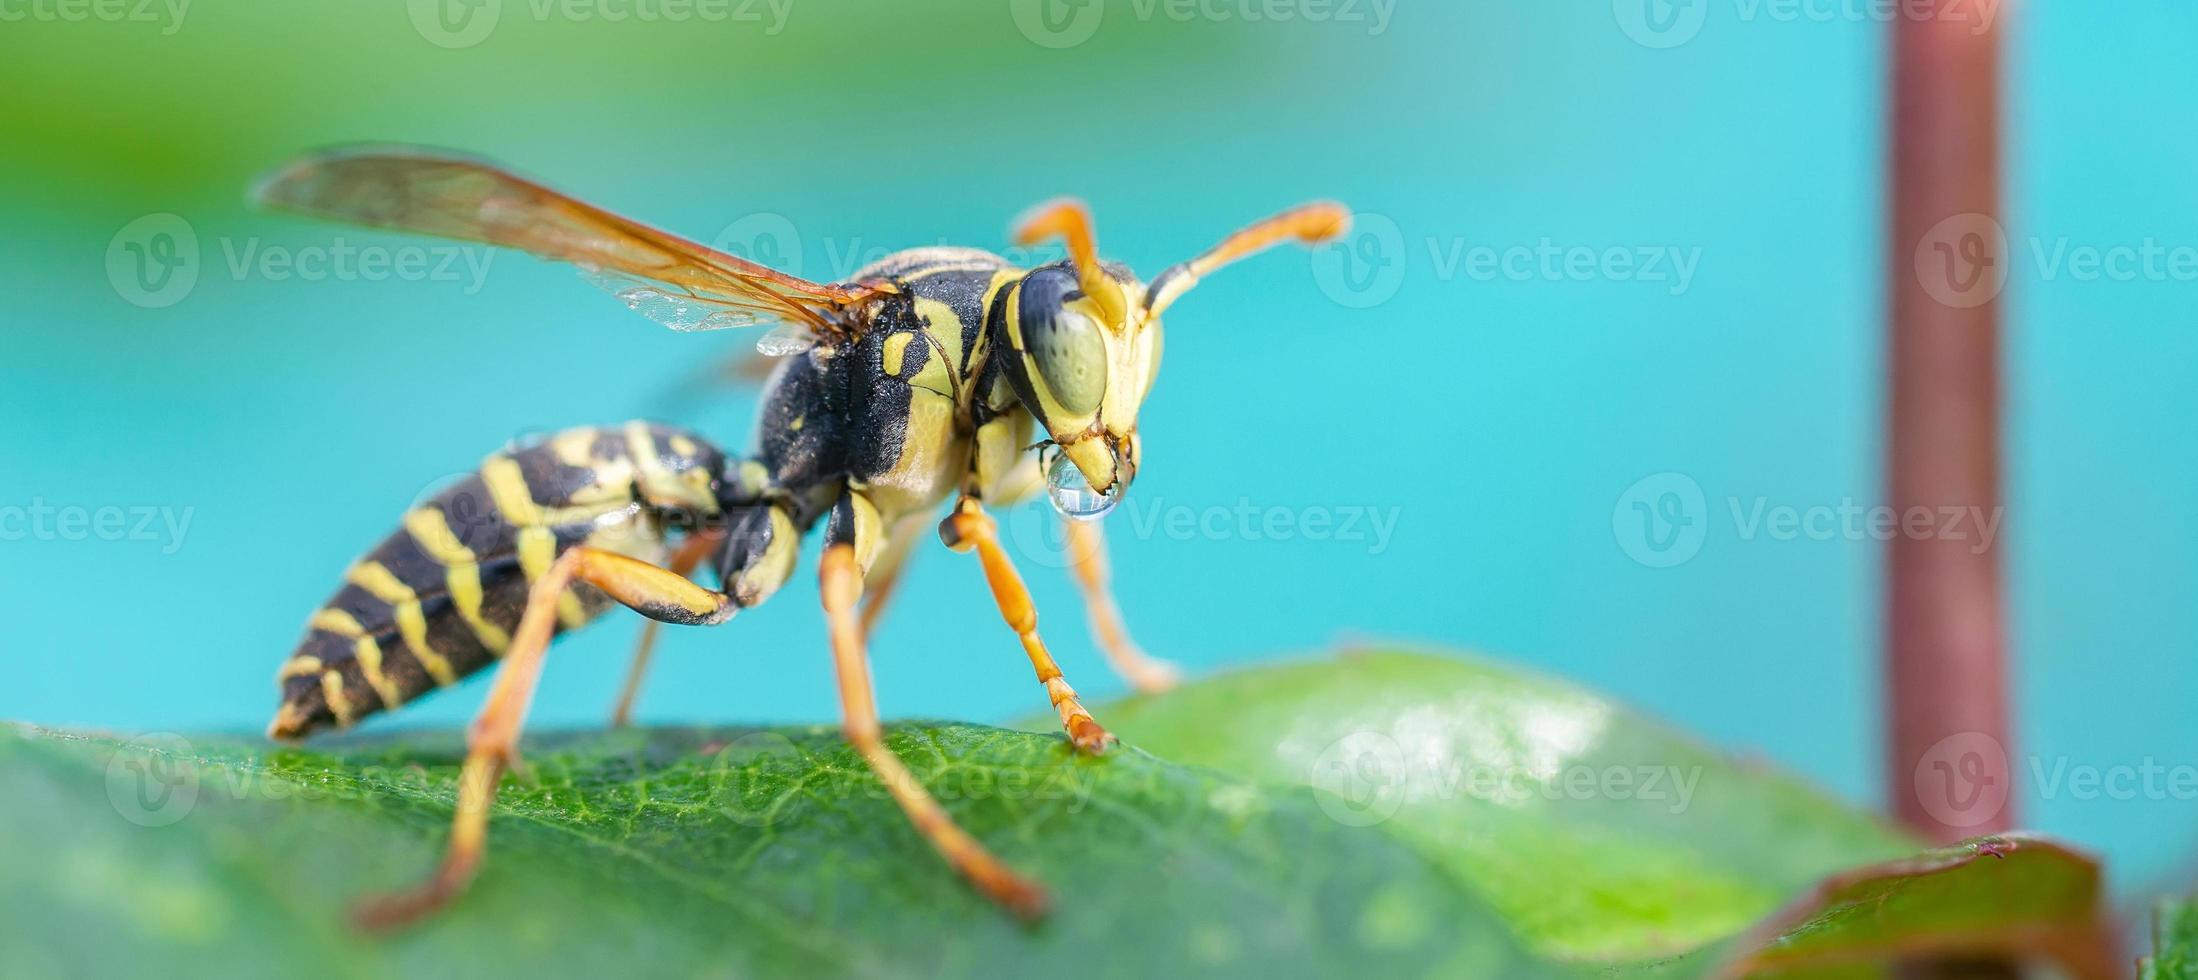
point(1499, 423)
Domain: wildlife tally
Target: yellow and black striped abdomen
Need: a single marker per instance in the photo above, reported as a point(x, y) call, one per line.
point(439, 599)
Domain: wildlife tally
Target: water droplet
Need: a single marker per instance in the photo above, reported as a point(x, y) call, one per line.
point(679, 312)
point(1073, 495)
point(785, 340)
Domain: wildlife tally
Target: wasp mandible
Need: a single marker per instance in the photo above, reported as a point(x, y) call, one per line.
point(923, 377)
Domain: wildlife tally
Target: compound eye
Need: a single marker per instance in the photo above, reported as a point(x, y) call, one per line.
point(1072, 358)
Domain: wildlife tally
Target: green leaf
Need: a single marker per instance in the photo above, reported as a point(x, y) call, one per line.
point(2174, 942)
point(699, 853)
point(2016, 895)
point(1463, 820)
point(1601, 835)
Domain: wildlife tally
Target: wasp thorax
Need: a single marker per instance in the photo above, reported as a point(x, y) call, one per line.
point(1074, 496)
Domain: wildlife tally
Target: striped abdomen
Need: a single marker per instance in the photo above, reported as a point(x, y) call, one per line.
point(440, 598)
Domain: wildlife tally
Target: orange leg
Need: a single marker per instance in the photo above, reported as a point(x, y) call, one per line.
point(492, 743)
point(970, 527)
point(841, 574)
point(690, 554)
point(1087, 548)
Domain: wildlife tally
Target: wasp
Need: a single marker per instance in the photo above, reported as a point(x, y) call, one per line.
point(924, 377)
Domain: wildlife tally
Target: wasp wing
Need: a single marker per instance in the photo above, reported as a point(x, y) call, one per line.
point(680, 283)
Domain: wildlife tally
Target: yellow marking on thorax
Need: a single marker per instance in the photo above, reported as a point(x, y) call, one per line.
point(304, 666)
point(896, 348)
point(1000, 280)
point(945, 266)
point(537, 552)
point(339, 703)
point(377, 579)
point(369, 654)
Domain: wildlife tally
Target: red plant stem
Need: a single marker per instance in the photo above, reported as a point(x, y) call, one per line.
point(1945, 655)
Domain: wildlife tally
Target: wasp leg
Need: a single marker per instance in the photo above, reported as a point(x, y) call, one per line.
point(850, 545)
point(1087, 558)
point(885, 573)
point(690, 554)
point(1087, 552)
point(492, 743)
point(970, 527)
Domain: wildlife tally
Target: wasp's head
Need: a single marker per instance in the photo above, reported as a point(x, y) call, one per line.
point(1081, 340)
point(1082, 362)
